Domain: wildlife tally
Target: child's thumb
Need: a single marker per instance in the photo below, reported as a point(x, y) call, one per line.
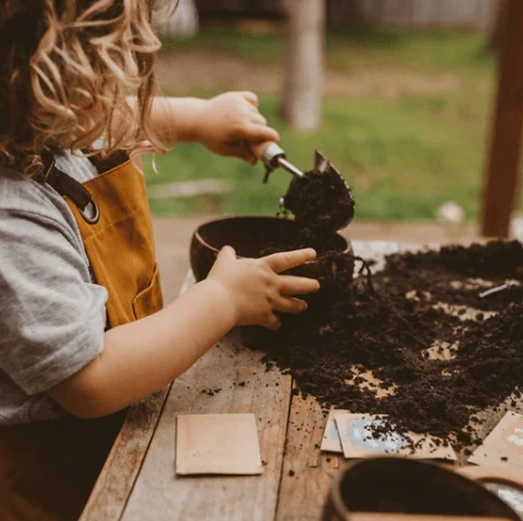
point(227, 252)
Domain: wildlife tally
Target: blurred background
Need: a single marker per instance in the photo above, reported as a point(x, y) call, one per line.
point(399, 94)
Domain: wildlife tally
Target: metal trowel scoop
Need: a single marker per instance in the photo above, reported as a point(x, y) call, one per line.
point(319, 198)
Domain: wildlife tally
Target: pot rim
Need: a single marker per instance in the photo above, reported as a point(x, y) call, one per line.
point(203, 242)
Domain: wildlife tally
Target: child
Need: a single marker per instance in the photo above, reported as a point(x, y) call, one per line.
point(83, 333)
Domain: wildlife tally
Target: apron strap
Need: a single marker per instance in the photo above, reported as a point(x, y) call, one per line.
point(104, 165)
point(65, 185)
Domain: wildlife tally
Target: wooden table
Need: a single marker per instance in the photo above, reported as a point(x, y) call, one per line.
point(139, 482)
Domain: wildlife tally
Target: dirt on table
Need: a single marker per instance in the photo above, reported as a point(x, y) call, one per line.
point(436, 351)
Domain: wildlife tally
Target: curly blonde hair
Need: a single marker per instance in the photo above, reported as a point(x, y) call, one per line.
point(66, 69)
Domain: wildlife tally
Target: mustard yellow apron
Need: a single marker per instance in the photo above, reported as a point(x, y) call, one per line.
point(48, 469)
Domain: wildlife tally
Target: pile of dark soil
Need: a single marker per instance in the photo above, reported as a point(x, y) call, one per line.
point(397, 325)
point(370, 324)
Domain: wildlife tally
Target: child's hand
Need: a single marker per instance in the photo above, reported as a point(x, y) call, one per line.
point(230, 121)
point(255, 289)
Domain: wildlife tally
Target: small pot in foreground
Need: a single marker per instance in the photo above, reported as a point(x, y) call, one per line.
point(392, 487)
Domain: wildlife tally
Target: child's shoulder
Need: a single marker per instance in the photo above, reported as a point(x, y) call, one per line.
point(25, 195)
point(23, 199)
point(21, 194)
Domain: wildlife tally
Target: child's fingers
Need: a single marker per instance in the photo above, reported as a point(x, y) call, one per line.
point(279, 262)
point(239, 149)
point(258, 119)
point(290, 305)
point(271, 322)
point(290, 285)
point(253, 109)
point(244, 152)
point(251, 98)
point(260, 133)
point(227, 253)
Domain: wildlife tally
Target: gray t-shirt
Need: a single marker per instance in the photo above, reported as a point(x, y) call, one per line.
point(52, 314)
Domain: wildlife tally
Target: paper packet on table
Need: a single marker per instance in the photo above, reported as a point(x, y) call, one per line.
point(217, 444)
point(504, 445)
point(354, 435)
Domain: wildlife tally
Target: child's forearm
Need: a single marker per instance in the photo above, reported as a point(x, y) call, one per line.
point(176, 120)
point(187, 114)
point(141, 357)
point(226, 124)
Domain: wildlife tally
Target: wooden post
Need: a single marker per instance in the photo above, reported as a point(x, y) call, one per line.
point(501, 187)
point(496, 29)
point(304, 63)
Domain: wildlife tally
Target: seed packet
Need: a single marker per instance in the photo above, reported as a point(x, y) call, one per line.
point(504, 445)
point(365, 435)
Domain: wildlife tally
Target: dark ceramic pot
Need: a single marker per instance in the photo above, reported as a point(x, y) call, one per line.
point(248, 236)
point(392, 485)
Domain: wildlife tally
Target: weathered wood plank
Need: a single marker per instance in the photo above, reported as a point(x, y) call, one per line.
point(246, 386)
point(307, 472)
point(380, 516)
point(110, 494)
point(112, 489)
point(500, 192)
point(160, 495)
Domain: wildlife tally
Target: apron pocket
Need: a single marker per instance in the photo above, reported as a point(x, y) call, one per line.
point(149, 300)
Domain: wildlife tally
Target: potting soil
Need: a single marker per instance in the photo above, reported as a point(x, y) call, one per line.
point(412, 327)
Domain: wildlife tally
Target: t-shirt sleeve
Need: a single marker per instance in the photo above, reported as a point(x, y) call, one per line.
point(52, 318)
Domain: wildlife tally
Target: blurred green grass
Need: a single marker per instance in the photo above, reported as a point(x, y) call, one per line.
point(358, 47)
point(403, 157)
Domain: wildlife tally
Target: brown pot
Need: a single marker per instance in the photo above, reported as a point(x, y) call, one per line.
point(394, 489)
point(248, 236)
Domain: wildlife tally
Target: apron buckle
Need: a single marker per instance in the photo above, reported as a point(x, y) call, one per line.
point(67, 186)
point(95, 214)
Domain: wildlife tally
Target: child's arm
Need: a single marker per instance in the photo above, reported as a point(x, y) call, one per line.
point(223, 124)
point(144, 356)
